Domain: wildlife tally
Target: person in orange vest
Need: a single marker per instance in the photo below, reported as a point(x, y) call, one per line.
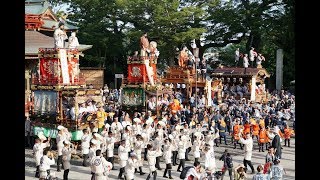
point(247, 128)
point(287, 135)
point(255, 129)
point(236, 137)
point(268, 140)
point(262, 138)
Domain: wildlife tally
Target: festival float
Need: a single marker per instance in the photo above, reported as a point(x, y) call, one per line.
point(142, 82)
point(57, 86)
point(254, 78)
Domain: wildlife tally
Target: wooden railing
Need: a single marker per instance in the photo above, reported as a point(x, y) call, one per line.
point(33, 21)
point(80, 80)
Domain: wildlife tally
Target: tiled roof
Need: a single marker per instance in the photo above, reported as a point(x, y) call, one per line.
point(50, 23)
point(34, 1)
point(238, 71)
point(36, 8)
point(35, 40)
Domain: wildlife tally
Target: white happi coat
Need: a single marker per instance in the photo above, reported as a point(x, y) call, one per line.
point(146, 137)
point(123, 156)
point(196, 148)
point(116, 128)
point(167, 153)
point(59, 37)
point(175, 140)
point(128, 140)
point(151, 156)
point(138, 145)
point(157, 146)
point(92, 154)
point(66, 157)
point(248, 145)
point(85, 143)
point(59, 139)
point(182, 147)
point(160, 133)
point(99, 165)
point(98, 145)
point(137, 129)
point(45, 163)
point(38, 151)
point(129, 170)
point(210, 161)
point(110, 146)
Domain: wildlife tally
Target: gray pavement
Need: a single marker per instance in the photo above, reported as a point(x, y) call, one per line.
point(78, 172)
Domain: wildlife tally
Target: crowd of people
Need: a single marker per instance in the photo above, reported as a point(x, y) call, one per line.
point(128, 139)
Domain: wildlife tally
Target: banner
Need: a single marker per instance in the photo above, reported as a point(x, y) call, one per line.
point(137, 73)
point(49, 71)
point(49, 132)
point(73, 69)
point(132, 97)
point(64, 66)
point(45, 102)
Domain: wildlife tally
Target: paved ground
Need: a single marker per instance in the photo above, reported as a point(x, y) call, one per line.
point(79, 172)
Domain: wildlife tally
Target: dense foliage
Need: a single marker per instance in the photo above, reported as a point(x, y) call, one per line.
point(113, 27)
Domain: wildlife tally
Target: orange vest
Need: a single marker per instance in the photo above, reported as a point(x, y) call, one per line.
point(256, 129)
point(246, 129)
point(236, 130)
point(267, 138)
point(262, 136)
point(287, 133)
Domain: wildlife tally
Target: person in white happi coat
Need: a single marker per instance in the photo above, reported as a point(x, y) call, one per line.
point(92, 154)
point(210, 161)
point(45, 162)
point(196, 146)
point(110, 140)
point(91, 108)
point(138, 145)
point(38, 150)
point(245, 61)
point(99, 139)
point(66, 157)
point(62, 136)
point(132, 164)
point(116, 128)
point(182, 147)
point(100, 166)
point(123, 157)
point(85, 145)
point(146, 134)
point(167, 154)
point(186, 132)
point(73, 41)
point(175, 141)
point(105, 131)
point(160, 130)
point(252, 55)
point(129, 138)
point(152, 153)
point(59, 36)
point(157, 142)
point(248, 146)
point(136, 127)
point(127, 121)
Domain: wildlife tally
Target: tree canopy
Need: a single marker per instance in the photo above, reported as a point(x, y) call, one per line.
point(114, 28)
